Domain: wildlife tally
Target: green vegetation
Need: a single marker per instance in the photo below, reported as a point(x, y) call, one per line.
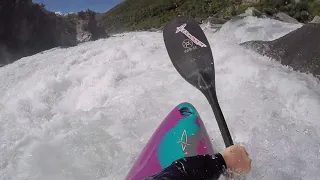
point(303, 10)
point(314, 7)
point(145, 14)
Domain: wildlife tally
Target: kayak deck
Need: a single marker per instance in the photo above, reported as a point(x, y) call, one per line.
point(181, 134)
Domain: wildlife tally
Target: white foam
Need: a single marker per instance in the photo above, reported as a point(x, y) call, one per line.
point(86, 112)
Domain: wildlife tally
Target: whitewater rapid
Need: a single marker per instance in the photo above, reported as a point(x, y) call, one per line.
point(86, 112)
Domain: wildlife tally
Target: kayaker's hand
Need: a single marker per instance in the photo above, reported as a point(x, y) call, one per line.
point(237, 159)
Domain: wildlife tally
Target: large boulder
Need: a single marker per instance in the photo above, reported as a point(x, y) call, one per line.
point(299, 49)
point(316, 20)
point(214, 20)
point(251, 11)
point(199, 20)
point(249, 2)
point(285, 18)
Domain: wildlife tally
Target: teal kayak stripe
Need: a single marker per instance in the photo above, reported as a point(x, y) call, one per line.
point(170, 148)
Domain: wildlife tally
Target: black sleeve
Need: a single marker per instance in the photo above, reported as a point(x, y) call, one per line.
point(197, 167)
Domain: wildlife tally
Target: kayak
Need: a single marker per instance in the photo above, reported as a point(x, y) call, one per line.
point(181, 134)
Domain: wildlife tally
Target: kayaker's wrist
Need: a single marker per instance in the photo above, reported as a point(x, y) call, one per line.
point(225, 158)
point(237, 159)
point(220, 163)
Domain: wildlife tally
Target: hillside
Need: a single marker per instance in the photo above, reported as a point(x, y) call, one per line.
point(27, 28)
point(145, 14)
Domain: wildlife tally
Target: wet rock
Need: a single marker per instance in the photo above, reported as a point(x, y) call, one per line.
point(285, 18)
point(251, 11)
point(153, 30)
point(299, 49)
point(316, 20)
point(88, 27)
point(214, 20)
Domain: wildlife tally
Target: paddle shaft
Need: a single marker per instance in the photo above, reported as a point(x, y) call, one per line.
point(213, 100)
point(190, 53)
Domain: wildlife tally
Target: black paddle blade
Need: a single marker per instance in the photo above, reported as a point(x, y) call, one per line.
point(190, 52)
point(191, 55)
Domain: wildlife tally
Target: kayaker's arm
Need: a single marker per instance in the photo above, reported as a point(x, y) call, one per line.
point(196, 167)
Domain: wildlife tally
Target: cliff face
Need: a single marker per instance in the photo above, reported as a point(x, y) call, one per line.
point(88, 26)
point(27, 28)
